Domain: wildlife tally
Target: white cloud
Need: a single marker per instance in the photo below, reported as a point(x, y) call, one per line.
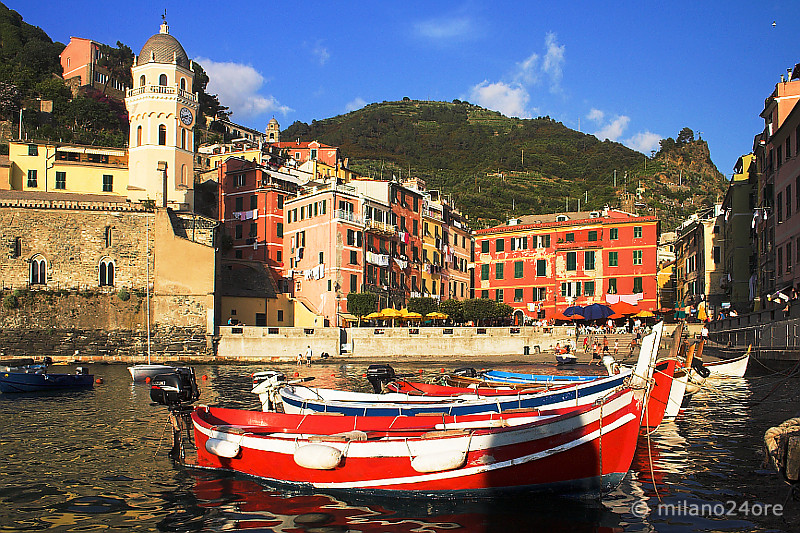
point(614, 129)
point(237, 86)
point(509, 99)
point(356, 103)
point(445, 28)
point(553, 62)
point(527, 70)
point(512, 96)
point(321, 53)
point(596, 115)
point(644, 142)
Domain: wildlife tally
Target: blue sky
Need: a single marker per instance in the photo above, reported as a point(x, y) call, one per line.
point(633, 72)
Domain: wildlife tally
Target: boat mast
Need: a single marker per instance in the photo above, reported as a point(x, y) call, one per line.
point(147, 288)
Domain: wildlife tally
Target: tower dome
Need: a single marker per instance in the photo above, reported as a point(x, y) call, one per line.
point(163, 48)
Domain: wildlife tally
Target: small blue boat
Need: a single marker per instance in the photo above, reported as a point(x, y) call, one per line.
point(514, 377)
point(33, 379)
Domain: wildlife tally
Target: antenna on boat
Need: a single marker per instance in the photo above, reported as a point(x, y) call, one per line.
point(147, 287)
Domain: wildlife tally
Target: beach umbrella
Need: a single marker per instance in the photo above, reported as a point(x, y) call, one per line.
point(411, 316)
point(391, 312)
point(572, 310)
point(596, 311)
point(560, 316)
point(616, 316)
point(373, 316)
point(624, 308)
point(644, 314)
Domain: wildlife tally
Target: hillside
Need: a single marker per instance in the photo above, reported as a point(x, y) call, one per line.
point(495, 167)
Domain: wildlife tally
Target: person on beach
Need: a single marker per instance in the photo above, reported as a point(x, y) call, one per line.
point(616, 347)
point(309, 353)
point(299, 359)
point(596, 353)
point(632, 346)
point(605, 345)
point(586, 344)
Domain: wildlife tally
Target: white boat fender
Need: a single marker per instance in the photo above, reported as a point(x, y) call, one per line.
point(439, 461)
point(318, 457)
point(222, 448)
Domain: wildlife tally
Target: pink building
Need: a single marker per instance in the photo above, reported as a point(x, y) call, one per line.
point(79, 64)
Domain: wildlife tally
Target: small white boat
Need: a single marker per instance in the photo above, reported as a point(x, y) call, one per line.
point(730, 368)
point(680, 381)
point(142, 372)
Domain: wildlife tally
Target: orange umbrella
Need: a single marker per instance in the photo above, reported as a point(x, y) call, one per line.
point(616, 316)
point(624, 308)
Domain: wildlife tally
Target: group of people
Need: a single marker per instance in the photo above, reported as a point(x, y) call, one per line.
point(308, 356)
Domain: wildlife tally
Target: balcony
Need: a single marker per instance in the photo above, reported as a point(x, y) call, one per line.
point(382, 228)
point(349, 216)
point(161, 89)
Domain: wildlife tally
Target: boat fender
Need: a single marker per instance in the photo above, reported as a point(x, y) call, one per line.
point(318, 457)
point(698, 367)
point(222, 448)
point(439, 461)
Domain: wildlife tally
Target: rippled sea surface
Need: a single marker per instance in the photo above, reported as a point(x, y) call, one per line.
point(93, 460)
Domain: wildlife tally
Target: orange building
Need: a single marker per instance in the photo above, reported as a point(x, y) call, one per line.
point(302, 151)
point(79, 64)
point(251, 207)
point(542, 264)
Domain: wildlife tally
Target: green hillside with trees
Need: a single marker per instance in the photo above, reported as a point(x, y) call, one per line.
point(494, 167)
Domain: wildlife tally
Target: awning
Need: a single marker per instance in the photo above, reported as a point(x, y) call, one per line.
point(348, 316)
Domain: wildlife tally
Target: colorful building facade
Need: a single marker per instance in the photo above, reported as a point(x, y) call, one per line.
point(542, 264)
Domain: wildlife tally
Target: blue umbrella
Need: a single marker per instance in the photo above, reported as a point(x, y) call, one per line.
point(574, 310)
point(595, 311)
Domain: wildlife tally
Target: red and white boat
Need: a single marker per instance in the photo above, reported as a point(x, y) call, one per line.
point(587, 449)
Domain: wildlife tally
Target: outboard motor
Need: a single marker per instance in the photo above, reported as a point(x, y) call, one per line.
point(272, 376)
point(175, 388)
point(465, 371)
point(379, 376)
point(82, 371)
point(697, 366)
point(612, 367)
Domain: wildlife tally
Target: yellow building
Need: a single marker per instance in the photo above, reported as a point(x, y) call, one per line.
point(67, 168)
point(433, 283)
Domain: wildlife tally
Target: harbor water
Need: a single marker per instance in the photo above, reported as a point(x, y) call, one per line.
point(97, 459)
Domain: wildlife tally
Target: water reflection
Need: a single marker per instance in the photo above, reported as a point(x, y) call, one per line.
point(89, 460)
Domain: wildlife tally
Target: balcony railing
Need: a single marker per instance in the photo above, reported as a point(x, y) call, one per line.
point(381, 227)
point(342, 214)
point(161, 89)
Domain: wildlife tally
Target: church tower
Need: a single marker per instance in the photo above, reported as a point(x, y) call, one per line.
point(162, 110)
point(273, 131)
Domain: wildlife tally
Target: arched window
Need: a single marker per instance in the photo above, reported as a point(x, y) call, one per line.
point(38, 270)
point(162, 135)
point(139, 136)
point(162, 80)
point(106, 273)
point(141, 80)
point(183, 84)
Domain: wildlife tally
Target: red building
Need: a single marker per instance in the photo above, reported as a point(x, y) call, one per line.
point(542, 264)
point(302, 151)
point(251, 207)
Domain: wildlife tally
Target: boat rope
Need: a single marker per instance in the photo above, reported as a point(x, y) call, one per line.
point(781, 381)
point(650, 455)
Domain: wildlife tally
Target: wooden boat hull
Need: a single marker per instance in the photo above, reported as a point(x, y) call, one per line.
point(13, 382)
point(730, 368)
point(142, 372)
point(659, 394)
point(556, 453)
point(305, 400)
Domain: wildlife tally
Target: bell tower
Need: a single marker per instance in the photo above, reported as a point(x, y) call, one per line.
point(162, 110)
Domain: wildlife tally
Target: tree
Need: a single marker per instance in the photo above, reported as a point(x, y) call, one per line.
point(478, 309)
point(686, 136)
point(209, 103)
point(422, 306)
point(9, 100)
point(361, 303)
point(118, 62)
point(453, 308)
